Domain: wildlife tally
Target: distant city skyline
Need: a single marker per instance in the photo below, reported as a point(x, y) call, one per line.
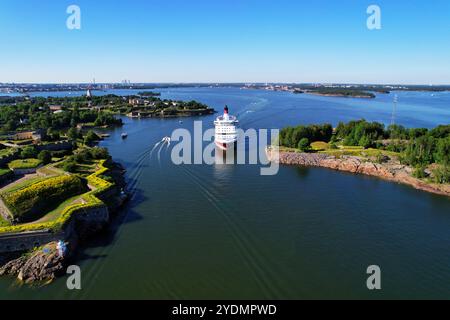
point(232, 83)
point(174, 41)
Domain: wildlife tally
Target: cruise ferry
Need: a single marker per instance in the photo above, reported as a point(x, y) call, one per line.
point(226, 130)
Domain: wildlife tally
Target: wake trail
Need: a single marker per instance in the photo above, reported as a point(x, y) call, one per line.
point(117, 229)
point(134, 178)
point(154, 148)
point(159, 154)
point(241, 238)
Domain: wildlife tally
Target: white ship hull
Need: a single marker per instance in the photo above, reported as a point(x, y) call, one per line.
point(226, 131)
point(225, 145)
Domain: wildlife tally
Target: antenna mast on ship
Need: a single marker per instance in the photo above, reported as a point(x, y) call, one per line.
point(394, 110)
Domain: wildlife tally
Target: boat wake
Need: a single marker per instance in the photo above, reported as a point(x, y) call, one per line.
point(243, 240)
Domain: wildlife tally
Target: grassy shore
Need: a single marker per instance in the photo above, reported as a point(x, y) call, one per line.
point(325, 148)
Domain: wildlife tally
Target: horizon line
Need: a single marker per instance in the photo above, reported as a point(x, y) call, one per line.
point(229, 82)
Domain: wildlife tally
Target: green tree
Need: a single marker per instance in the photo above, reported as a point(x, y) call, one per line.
point(45, 156)
point(419, 172)
point(82, 156)
point(70, 166)
point(365, 141)
point(442, 154)
point(10, 125)
point(72, 134)
point(441, 132)
point(91, 137)
point(99, 153)
point(420, 151)
point(441, 174)
point(28, 152)
point(303, 144)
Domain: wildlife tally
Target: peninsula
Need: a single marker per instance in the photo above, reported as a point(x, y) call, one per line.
point(57, 188)
point(416, 157)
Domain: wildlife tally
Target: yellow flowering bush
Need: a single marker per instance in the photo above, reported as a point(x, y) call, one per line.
point(91, 202)
point(26, 203)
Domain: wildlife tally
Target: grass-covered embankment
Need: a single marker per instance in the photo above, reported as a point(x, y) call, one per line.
point(28, 203)
point(24, 164)
point(90, 200)
point(4, 172)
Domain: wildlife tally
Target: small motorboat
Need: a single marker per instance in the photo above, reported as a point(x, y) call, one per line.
point(124, 135)
point(166, 140)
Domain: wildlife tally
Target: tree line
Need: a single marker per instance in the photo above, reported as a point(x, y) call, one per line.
point(417, 147)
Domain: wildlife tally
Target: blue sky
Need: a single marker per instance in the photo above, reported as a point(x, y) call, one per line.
point(225, 41)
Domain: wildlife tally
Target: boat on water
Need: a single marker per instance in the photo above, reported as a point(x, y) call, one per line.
point(226, 130)
point(124, 135)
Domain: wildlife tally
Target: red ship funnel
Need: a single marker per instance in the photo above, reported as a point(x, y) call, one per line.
point(225, 110)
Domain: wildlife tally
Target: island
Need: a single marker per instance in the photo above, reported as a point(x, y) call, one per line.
point(337, 92)
point(417, 157)
point(149, 94)
point(344, 90)
point(153, 107)
point(57, 187)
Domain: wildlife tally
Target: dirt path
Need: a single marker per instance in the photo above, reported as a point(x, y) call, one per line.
point(48, 171)
point(4, 212)
point(23, 179)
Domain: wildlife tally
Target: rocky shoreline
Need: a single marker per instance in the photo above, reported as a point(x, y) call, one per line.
point(391, 170)
point(42, 265)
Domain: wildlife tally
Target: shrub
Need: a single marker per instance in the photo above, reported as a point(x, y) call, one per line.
point(91, 137)
point(349, 141)
point(82, 156)
point(73, 134)
point(319, 146)
point(303, 144)
point(442, 154)
point(70, 166)
point(45, 156)
point(442, 174)
point(365, 141)
point(28, 152)
point(87, 154)
point(27, 203)
point(419, 172)
point(99, 153)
